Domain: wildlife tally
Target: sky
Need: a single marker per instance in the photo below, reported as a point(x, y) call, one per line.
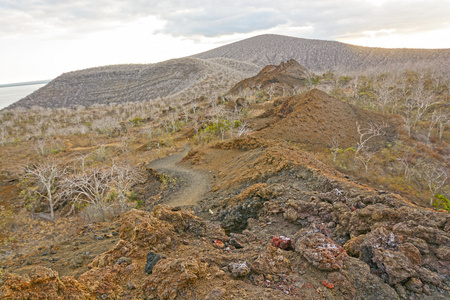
point(41, 39)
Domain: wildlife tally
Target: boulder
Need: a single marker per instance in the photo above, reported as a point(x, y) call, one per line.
point(321, 251)
point(152, 259)
point(396, 267)
point(239, 269)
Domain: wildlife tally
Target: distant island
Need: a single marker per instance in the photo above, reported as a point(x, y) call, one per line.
point(25, 83)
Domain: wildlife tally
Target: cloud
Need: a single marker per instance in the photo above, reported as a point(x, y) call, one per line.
point(328, 19)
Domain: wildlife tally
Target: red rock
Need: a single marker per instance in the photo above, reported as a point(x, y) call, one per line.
point(328, 284)
point(282, 242)
point(218, 244)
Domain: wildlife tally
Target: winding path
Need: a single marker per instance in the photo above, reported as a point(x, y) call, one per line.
point(194, 183)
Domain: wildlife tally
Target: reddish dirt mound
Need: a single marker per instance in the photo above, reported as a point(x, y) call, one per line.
point(315, 118)
point(285, 76)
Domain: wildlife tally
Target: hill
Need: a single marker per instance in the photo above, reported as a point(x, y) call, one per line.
point(317, 119)
point(207, 200)
point(286, 76)
point(320, 56)
point(136, 83)
point(216, 71)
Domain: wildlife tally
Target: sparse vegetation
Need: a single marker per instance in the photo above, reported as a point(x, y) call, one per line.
point(91, 164)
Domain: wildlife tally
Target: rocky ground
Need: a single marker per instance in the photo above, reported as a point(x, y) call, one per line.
point(276, 224)
point(247, 218)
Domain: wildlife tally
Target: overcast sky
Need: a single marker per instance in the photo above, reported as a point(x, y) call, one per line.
point(40, 39)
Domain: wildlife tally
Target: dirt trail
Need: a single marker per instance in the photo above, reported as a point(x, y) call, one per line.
point(194, 183)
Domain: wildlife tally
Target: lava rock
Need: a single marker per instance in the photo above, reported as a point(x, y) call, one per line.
point(152, 259)
point(240, 269)
point(414, 285)
point(131, 285)
point(395, 266)
point(319, 250)
point(428, 276)
point(233, 242)
point(123, 260)
point(426, 289)
point(400, 291)
point(282, 242)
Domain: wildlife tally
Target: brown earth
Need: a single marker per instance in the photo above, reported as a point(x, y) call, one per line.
point(228, 203)
point(316, 119)
point(193, 184)
point(350, 241)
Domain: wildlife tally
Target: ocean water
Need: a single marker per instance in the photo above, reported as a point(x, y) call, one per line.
point(9, 95)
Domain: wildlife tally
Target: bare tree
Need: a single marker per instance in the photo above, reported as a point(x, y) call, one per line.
point(434, 177)
point(355, 83)
point(373, 130)
point(270, 91)
point(91, 188)
point(408, 167)
point(46, 176)
point(443, 120)
point(385, 93)
point(334, 148)
point(124, 176)
point(438, 118)
point(416, 104)
point(365, 157)
point(41, 147)
point(243, 130)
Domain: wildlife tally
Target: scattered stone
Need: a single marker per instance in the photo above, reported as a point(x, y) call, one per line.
point(44, 253)
point(239, 269)
point(218, 244)
point(123, 260)
point(77, 262)
point(414, 285)
point(99, 238)
point(400, 290)
point(176, 208)
point(152, 259)
point(233, 242)
point(282, 242)
point(328, 284)
point(216, 294)
point(426, 290)
point(131, 285)
point(428, 276)
point(342, 283)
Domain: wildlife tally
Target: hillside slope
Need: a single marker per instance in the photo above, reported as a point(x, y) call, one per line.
point(225, 66)
point(317, 119)
point(319, 55)
point(135, 83)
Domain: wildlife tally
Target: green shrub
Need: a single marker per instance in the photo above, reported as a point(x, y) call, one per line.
point(137, 122)
point(442, 202)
